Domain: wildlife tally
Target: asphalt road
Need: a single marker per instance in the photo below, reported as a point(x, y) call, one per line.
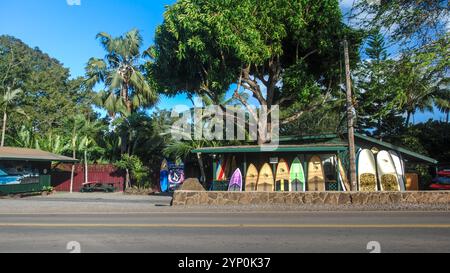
point(175, 231)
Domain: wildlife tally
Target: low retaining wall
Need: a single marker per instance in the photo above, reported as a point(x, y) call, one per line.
point(188, 198)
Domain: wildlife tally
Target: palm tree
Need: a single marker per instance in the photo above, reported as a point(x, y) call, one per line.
point(24, 138)
point(121, 73)
point(53, 143)
point(6, 103)
point(182, 149)
point(414, 86)
point(75, 143)
point(87, 131)
point(442, 101)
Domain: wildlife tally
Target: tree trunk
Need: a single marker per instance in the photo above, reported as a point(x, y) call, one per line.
point(86, 180)
point(202, 169)
point(408, 117)
point(127, 179)
point(123, 137)
point(4, 128)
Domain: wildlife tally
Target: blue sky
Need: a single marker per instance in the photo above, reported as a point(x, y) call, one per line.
point(67, 32)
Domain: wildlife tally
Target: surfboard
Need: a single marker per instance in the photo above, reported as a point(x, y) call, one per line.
point(176, 176)
point(219, 170)
point(387, 174)
point(164, 176)
point(442, 180)
point(296, 176)
point(399, 168)
point(236, 181)
point(316, 180)
point(251, 178)
point(367, 172)
point(282, 176)
point(265, 179)
point(343, 176)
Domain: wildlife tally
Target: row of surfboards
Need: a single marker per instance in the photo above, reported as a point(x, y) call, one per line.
point(286, 178)
point(384, 171)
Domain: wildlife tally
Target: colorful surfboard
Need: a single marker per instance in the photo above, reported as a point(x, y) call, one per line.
point(316, 179)
point(220, 170)
point(176, 176)
point(236, 181)
point(282, 176)
point(251, 178)
point(265, 179)
point(164, 176)
point(297, 176)
point(387, 173)
point(367, 171)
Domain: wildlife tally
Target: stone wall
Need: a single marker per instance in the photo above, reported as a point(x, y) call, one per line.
point(188, 198)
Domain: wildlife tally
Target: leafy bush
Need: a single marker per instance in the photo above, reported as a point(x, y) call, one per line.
point(138, 172)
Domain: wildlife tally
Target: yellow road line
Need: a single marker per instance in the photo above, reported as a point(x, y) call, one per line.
point(332, 226)
point(184, 212)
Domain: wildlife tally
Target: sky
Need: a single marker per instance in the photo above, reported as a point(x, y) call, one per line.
point(66, 29)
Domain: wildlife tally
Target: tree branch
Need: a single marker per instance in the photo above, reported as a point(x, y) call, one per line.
point(311, 108)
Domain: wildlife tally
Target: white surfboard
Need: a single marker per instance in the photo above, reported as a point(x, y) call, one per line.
point(387, 173)
point(367, 172)
point(399, 168)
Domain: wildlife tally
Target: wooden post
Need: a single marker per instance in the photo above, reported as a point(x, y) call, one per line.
point(214, 171)
point(244, 172)
point(350, 125)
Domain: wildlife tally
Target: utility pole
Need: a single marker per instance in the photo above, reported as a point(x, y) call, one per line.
point(350, 116)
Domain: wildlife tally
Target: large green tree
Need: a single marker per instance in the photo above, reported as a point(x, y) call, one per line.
point(419, 29)
point(412, 23)
point(49, 94)
point(377, 112)
point(282, 52)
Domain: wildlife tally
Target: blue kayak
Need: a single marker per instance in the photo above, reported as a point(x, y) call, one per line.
point(442, 180)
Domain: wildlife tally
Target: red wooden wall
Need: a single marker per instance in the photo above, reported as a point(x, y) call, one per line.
point(96, 173)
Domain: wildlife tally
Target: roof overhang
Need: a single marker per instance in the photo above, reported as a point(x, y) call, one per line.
point(23, 154)
point(401, 150)
point(271, 148)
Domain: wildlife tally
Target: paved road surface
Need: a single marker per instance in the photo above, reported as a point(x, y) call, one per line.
point(174, 231)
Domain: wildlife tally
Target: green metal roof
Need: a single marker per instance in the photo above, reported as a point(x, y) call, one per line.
point(308, 137)
point(396, 148)
point(313, 143)
point(273, 148)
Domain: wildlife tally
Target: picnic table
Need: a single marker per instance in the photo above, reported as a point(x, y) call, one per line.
point(98, 187)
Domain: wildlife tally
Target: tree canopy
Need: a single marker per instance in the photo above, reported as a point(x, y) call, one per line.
point(49, 95)
point(282, 52)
